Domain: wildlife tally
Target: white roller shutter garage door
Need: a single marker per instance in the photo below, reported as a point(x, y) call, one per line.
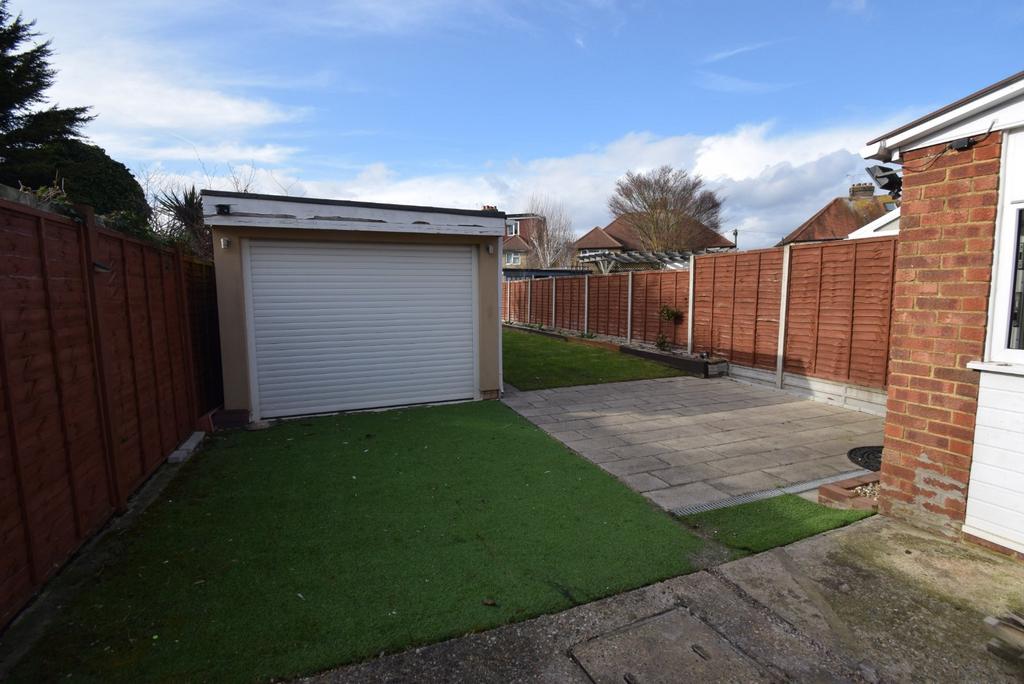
point(336, 326)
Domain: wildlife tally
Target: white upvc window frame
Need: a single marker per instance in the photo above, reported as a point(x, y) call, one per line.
point(511, 227)
point(1010, 210)
point(513, 259)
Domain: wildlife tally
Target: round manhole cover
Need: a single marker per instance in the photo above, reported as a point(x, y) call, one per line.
point(867, 457)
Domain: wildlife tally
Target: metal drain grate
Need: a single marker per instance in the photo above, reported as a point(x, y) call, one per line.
point(766, 493)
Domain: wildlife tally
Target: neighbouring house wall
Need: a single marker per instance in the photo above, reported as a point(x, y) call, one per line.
point(231, 298)
point(943, 273)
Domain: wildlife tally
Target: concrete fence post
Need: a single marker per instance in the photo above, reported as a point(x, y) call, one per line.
point(780, 351)
point(629, 307)
point(529, 298)
point(689, 306)
point(553, 282)
point(586, 304)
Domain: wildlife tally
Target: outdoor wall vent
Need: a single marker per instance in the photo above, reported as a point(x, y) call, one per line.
point(223, 209)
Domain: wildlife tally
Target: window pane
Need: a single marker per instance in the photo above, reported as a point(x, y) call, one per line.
point(1016, 340)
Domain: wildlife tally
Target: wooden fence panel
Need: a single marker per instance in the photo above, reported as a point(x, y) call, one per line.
point(96, 384)
point(540, 302)
point(769, 299)
point(872, 313)
point(703, 302)
point(838, 310)
point(653, 290)
point(608, 304)
point(569, 303)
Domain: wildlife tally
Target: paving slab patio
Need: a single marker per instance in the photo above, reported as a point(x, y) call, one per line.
point(686, 441)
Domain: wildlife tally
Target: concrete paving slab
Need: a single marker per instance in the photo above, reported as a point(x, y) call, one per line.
point(645, 482)
point(677, 475)
point(686, 495)
point(687, 650)
point(757, 434)
point(753, 481)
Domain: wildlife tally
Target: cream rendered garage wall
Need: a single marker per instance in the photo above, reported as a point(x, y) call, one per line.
point(231, 298)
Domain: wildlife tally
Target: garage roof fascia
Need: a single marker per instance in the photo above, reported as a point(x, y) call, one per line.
point(995, 107)
point(248, 210)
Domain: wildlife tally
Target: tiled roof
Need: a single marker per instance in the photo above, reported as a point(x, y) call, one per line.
point(839, 218)
point(597, 238)
point(704, 238)
point(514, 243)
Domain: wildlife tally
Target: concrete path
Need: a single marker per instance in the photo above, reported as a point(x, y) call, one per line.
point(876, 601)
point(686, 441)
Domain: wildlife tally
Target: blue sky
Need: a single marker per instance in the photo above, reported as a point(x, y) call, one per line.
point(468, 103)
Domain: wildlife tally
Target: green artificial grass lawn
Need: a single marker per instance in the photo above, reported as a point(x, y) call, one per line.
point(534, 362)
point(762, 525)
point(324, 541)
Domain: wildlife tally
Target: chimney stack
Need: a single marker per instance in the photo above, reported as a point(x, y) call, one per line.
point(489, 207)
point(862, 190)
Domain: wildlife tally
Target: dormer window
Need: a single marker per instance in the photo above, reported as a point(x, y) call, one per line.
point(511, 228)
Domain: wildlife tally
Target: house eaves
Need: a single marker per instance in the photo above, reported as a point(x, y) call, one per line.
point(995, 107)
point(234, 209)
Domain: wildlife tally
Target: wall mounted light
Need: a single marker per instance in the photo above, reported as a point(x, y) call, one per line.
point(225, 243)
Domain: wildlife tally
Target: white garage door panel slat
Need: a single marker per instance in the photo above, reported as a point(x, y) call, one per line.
point(995, 495)
point(340, 326)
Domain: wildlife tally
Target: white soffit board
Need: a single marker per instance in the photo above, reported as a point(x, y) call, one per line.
point(283, 212)
point(999, 110)
point(995, 496)
point(340, 326)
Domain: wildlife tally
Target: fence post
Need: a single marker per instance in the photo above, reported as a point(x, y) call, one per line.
point(529, 298)
point(689, 306)
point(586, 303)
point(184, 306)
point(629, 307)
point(553, 281)
point(780, 350)
point(101, 357)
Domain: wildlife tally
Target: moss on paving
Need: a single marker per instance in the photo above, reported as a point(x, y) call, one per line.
point(762, 525)
point(325, 541)
point(533, 362)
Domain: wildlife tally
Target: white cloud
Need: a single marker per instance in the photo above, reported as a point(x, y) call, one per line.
point(712, 80)
point(149, 93)
point(852, 6)
point(726, 54)
point(771, 182)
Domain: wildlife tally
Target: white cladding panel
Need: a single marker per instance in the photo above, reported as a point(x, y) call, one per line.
point(995, 497)
point(338, 326)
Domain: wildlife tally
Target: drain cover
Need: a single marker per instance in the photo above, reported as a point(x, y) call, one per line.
point(867, 457)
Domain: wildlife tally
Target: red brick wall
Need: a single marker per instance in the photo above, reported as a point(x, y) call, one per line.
point(940, 304)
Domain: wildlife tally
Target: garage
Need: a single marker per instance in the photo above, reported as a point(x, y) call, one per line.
point(330, 306)
point(331, 325)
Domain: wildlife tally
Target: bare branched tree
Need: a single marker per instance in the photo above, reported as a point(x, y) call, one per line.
point(242, 178)
point(552, 241)
point(663, 205)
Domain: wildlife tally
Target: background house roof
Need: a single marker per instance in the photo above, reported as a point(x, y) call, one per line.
point(597, 238)
point(514, 243)
point(840, 217)
point(703, 237)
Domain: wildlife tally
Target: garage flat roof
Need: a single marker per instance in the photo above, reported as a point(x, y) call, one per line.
point(238, 209)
